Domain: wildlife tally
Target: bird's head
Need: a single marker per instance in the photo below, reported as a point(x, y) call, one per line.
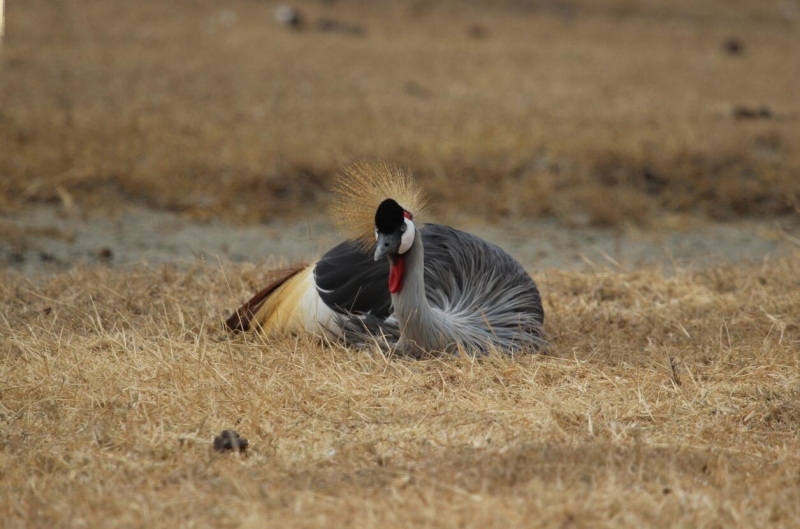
point(362, 186)
point(394, 230)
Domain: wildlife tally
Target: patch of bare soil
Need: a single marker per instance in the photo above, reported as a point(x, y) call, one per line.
point(44, 239)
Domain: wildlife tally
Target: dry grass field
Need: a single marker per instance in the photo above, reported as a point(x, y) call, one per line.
point(670, 402)
point(667, 399)
point(614, 110)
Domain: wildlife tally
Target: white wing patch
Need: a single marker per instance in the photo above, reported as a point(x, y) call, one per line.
point(317, 316)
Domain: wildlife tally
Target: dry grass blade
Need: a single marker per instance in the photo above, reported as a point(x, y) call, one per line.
point(2, 21)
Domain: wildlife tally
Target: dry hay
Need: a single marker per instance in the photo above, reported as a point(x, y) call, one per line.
point(216, 110)
point(668, 401)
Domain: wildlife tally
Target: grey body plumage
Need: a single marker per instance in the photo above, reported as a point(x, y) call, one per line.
point(460, 293)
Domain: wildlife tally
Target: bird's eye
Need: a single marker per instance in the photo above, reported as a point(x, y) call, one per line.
point(402, 228)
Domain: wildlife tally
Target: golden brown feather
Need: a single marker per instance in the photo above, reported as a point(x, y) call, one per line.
point(250, 314)
point(361, 187)
point(283, 311)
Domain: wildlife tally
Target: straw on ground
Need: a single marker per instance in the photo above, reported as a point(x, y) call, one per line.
point(668, 401)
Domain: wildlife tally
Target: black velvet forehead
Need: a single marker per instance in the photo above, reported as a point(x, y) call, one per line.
point(389, 216)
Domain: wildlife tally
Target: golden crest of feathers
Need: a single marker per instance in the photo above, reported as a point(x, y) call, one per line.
point(359, 190)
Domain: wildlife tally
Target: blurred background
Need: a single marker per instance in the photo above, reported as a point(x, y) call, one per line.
point(535, 118)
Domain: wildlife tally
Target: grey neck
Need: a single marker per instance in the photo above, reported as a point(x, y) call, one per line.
point(420, 325)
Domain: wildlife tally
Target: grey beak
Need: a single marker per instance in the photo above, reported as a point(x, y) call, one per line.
point(386, 244)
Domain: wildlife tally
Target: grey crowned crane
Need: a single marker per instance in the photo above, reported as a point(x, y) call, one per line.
point(414, 288)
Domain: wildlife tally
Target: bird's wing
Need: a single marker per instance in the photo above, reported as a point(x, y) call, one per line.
point(350, 281)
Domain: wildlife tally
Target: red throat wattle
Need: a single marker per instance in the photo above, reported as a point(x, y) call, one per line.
point(397, 269)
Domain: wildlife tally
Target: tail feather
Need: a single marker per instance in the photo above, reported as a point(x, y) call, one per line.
point(242, 319)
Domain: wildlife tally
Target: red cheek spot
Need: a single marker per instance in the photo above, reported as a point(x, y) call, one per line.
point(408, 215)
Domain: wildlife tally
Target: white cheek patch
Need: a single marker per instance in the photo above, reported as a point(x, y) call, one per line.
point(408, 237)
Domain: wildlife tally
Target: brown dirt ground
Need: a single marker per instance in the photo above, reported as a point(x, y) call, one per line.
point(47, 239)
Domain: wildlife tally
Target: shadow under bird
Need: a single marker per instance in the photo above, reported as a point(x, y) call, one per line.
point(408, 287)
